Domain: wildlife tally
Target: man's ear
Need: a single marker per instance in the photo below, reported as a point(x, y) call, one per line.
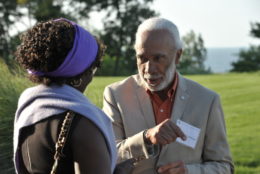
point(178, 56)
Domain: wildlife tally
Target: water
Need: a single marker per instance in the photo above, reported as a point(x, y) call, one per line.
point(220, 59)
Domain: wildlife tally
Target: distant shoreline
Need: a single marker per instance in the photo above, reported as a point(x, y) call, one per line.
point(219, 59)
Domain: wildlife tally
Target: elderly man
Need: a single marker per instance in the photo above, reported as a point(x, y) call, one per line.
point(146, 109)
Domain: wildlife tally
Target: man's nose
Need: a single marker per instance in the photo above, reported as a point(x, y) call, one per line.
point(150, 67)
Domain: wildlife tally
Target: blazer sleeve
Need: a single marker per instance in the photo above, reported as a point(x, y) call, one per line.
point(216, 154)
point(133, 146)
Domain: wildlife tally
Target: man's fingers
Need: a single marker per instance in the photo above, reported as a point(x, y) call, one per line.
point(178, 132)
point(165, 133)
point(172, 130)
point(161, 140)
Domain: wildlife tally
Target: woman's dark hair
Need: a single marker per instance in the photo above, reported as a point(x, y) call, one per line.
point(45, 46)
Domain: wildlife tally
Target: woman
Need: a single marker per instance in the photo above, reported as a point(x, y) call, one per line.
point(54, 120)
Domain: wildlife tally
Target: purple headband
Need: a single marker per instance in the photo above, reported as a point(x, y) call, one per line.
point(80, 57)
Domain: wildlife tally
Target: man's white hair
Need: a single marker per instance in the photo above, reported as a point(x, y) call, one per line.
point(156, 23)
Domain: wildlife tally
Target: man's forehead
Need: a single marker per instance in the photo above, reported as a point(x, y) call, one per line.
point(148, 52)
point(155, 37)
point(153, 34)
point(149, 33)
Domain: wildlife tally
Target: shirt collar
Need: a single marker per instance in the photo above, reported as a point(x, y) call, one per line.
point(171, 91)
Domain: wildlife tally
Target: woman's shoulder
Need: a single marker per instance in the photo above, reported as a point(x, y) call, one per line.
point(84, 128)
point(89, 147)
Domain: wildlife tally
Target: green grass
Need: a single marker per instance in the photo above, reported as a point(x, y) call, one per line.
point(240, 94)
point(95, 90)
point(11, 85)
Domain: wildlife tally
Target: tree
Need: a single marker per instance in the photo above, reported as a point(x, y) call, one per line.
point(249, 60)
point(121, 20)
point(255, 30)
point(12, 11)
point(8, 15)
point(120, 25)
point(194, 54)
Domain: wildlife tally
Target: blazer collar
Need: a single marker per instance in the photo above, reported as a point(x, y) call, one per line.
point(180, 103)
point(144, 103)
point(181, 99)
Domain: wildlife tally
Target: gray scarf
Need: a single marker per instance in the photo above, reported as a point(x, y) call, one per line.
point(40, 102)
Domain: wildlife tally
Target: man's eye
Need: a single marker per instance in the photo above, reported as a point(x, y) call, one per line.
point(142, 59)
point(157, 58)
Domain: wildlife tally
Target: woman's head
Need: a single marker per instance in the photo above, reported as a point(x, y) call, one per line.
point(58, 51)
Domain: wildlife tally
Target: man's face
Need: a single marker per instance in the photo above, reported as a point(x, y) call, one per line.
point(156, 59)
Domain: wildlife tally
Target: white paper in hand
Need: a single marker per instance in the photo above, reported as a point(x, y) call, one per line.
point(191, 132)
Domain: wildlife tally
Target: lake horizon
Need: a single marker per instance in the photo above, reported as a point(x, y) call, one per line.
point(219, 59)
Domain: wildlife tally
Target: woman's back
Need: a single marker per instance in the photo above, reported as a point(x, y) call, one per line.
point(85, 147)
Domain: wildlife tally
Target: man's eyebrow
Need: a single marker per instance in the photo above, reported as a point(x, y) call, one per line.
point(139, 55)
point(159, 54)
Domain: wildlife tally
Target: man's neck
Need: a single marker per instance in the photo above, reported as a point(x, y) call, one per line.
point(163, 94)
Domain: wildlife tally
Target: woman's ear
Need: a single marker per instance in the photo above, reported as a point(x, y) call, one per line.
point(178, 56)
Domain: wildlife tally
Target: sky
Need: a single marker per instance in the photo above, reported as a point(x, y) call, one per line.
point(221, 23)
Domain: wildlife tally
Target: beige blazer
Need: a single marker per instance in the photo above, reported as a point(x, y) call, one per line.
point(130, 108)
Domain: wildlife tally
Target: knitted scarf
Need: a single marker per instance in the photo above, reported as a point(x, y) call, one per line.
point(40, 102)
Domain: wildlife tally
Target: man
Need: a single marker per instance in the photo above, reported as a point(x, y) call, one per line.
point(145, 108)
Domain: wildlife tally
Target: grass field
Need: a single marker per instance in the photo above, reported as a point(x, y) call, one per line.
point(240, 94)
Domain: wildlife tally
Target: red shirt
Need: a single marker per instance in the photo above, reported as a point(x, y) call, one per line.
point(163, 108)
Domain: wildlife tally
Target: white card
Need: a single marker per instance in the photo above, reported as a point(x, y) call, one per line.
point(191, 132)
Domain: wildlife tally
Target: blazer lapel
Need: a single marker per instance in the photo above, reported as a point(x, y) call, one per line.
point(181, 99)
point(145, 107)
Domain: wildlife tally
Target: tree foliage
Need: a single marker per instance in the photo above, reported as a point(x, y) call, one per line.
point(120, 25)
point(8, 16)
point(255, 30)
point(121, 19)
point(249, 60)
point(194, 54)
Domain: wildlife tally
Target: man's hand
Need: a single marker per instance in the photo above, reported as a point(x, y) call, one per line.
point(173, 168)
point(164, 133)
